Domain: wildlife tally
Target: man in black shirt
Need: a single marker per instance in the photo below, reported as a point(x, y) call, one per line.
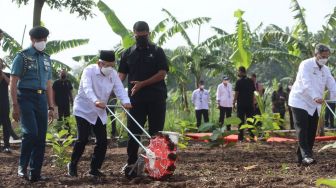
point(244, 96)
point(63, 96)
point(146, 67)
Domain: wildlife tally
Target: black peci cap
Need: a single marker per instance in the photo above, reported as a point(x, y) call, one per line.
point(107, 55)
point(39, 32)
point(140, 26)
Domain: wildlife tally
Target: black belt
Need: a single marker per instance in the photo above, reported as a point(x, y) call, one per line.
point(38, 91)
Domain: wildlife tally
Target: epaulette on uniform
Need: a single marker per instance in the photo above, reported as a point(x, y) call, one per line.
point(46, 54)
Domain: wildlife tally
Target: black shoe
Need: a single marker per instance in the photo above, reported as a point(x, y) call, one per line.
point(129, 173)
point(22, 172)
point(7, 150)
point(72, 170)
point(16, 137)
point(38, 178)
point(96, 173)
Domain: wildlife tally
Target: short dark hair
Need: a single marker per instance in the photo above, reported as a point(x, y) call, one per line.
point(242, 69)
point(140, 26)
point(319, 48)
point(254, 75)
point(201, 82)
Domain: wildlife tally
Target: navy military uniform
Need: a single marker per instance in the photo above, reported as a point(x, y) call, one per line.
point(33, 68)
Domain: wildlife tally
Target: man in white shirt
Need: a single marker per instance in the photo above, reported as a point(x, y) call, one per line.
point(200, 99)
point(305, 99)
point(97, 83)
point(224, 97)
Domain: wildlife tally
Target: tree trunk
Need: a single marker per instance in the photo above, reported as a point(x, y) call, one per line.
point(186, 104)
point(38, 5)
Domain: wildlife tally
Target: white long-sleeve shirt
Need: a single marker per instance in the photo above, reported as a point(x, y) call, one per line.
point(95, 86)
point(200, 99)
point(224, 95)
point(310, 84)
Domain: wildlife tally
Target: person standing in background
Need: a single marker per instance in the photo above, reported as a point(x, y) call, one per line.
point(224, 97)
point(201, 99)
point(244, 97)
point(279, 100)
point(62, 88)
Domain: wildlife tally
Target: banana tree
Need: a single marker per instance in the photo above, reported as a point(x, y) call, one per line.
point(160, 34)
point(241, 55)
point(299, 43)
point(177, 73)
point(12, 47)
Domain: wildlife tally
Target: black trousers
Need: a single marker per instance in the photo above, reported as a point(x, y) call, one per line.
point(155, 112)
point(225, 112)
point(6, 127)
point(291, 121)
point(244, 112)
point(199, 114)
point(329, 117)
point(305, 126)
point(84, 129)
point(63, 114)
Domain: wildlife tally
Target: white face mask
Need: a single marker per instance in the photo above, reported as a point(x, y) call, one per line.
point(201, 86)
point(106, 70)
point(322, 61)
point(40, 46)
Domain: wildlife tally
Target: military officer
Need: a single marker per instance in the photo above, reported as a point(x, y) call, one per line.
point(31, 92)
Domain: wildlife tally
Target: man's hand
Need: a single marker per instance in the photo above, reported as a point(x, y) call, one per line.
point(137, 86)
point(50, 116)
point(319, 101)
point(234, 106)
point(127, 106)
point(16, 112)
point(100, 104)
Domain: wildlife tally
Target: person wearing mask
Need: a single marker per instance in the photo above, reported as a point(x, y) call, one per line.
point(224, 98)
point(244, 99)
point(201, 99)
point(306, 98)
point(279, 100)
point(145, 65)
point(62, 88)
point(97, 83)
point(32, 97)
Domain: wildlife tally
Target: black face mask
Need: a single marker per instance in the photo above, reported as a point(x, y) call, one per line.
point(142, 41)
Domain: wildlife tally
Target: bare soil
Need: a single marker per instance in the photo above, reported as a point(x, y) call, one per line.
point(242, 165)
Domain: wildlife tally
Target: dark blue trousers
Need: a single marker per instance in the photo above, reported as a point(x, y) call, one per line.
point(34, 123)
